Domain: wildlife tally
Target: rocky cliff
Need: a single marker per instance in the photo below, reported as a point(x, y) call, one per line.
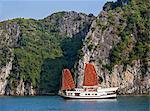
point(8, 38)
point(118, 44)
point(30, 50)
point(117, 41)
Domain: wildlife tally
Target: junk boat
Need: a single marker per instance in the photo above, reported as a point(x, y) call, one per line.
point(90, 88)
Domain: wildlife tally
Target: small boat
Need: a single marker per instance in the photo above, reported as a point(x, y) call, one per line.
point(90, 88)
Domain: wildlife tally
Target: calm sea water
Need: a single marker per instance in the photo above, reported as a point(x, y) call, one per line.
point(56, 103)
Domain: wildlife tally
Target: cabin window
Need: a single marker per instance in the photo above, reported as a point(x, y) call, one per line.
point(77, 94)
point(88, 94)
point(95, 94)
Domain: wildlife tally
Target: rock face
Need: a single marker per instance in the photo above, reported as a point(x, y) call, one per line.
point(70, 23)
point(4, 73)
point(24, 41)
point(97, 44)
point(129, 81)
point(34, 52)
point(8, 38)
point(100, 48)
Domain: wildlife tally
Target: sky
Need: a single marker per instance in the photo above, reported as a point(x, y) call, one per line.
point(39, 9)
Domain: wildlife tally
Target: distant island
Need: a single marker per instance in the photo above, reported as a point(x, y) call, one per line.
point(33, 52)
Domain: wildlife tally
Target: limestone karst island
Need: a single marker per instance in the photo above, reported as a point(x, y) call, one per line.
point(73, 54)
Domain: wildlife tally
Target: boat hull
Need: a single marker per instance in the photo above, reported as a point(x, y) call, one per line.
point(89, 94)
point(89, 97)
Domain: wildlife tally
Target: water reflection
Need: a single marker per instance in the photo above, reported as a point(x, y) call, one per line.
point(92, 100)
point(56, 103)
point(89, 104)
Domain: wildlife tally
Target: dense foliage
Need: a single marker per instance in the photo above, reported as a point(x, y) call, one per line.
point(135, 44)
point(35, 45)
point(42, 51)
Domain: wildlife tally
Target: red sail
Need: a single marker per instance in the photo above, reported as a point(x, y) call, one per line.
point(67, 80)
point(90, 76)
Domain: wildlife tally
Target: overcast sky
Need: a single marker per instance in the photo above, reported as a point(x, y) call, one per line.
point(39, 9)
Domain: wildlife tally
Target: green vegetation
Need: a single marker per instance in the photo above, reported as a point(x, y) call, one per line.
point(4, 56)
point(35, 45)
point(41, 52)
point(5, 52)
point(135, 36)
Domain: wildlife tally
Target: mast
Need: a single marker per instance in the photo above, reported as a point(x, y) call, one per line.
point(90, 76)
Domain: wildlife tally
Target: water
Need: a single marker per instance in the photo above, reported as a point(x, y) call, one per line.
point(56, 103)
